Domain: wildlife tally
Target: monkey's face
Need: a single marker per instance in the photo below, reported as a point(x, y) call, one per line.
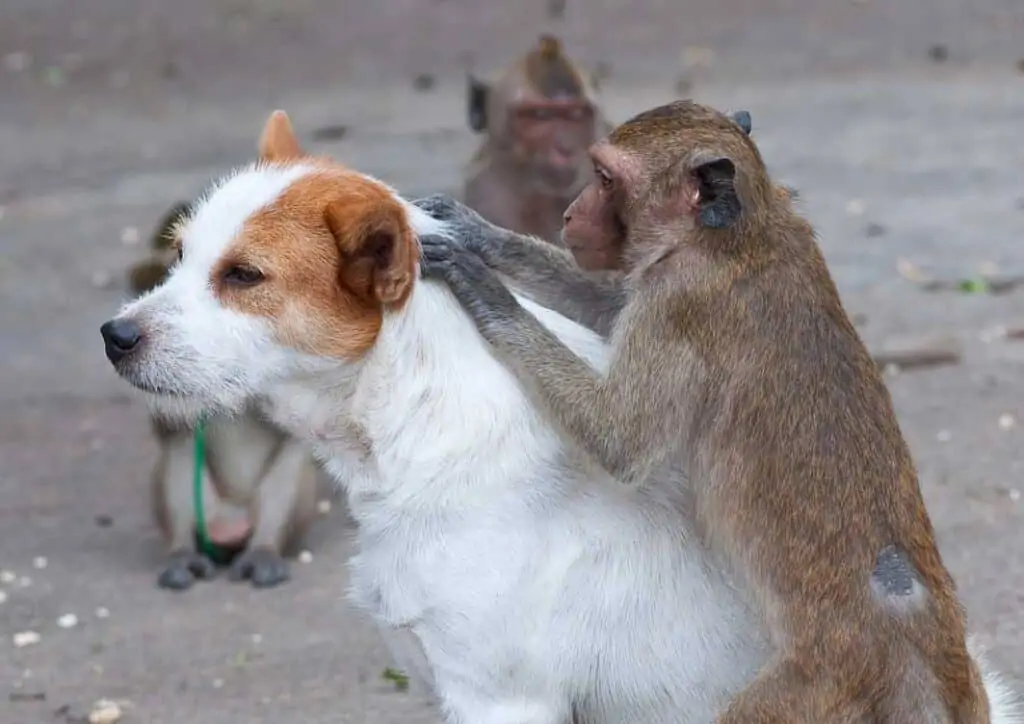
point(663, 178)
point(549, 140)
point(594, 225)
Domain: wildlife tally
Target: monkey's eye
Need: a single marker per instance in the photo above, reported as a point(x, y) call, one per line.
point(181, 252)
point(242, 275)
point(604, 178)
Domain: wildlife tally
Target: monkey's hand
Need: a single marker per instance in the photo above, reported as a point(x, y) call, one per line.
point(479, 290)
point(469, 228)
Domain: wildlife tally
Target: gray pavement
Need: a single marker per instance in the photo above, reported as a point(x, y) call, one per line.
point(110, 111)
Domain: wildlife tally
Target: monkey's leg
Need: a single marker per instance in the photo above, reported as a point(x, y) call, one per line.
point(284, 502)
point(174, 509)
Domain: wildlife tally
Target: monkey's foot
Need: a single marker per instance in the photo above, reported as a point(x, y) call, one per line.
point(262, 566)
point(184, 569)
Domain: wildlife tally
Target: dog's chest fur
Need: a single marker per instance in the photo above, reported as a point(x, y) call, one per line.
point(517, 564)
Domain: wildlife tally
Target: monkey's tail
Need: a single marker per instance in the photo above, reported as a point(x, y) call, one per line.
point(1006, 705)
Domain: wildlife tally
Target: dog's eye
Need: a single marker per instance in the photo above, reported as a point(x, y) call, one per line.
point(243, 276)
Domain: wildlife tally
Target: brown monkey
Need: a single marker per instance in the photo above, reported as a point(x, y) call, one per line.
point(538, 120)
point(736, 368)
point(259, 485)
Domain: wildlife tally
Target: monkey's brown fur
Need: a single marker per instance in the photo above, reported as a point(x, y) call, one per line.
point(248, 463)
point(538, 120)
point(735, 364)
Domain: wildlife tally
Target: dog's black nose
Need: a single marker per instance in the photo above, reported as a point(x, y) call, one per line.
point(120, 337)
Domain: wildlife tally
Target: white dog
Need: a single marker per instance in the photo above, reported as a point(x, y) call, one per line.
point(538, 590)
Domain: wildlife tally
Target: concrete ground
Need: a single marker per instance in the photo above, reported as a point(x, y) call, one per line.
point(899, 123)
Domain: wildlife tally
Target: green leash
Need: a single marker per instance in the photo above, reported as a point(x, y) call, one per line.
point(199, 457)
point(215, 553)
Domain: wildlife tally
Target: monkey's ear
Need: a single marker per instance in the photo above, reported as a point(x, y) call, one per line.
point(146, 275)
point(478, 93)
point(278, 141)
point(743, 120)
point(164, 234)
point(378, 250)
point(717, 203)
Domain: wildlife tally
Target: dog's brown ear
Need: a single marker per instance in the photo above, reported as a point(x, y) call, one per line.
point(378, 249)
point(278, 141)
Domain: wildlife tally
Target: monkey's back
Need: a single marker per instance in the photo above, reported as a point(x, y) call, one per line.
point(815, 482)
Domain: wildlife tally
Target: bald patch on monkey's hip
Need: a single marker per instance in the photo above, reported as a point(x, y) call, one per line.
point(895, 580)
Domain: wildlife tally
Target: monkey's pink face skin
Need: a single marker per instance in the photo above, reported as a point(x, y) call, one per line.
point(595, 223)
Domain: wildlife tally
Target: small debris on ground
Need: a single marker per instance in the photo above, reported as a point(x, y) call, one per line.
point(396, 677)
point(101, 279)
point(105, 711)
point(987, 282)
point(3, 596)
point(26, 638)
point(129, 236)
point(17, 62)
point(323, 506)
point(1007, 421)
point(874, 230)
point(944, 436)
point(68, 620)
point(102, 613)
point(920, 352)
point(39, 562)
point(556, 9)
point(423, 82)
point(330, 133)
point(103, 520)
point(938, 53)
point(855, 207)
point(305, 557)
point(8, 577)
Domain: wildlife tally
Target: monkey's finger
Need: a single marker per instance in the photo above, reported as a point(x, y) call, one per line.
point(435, 269)
point(437, 248)
point(439, 206)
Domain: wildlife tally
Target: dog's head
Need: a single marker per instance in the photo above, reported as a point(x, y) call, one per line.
point(283, 265)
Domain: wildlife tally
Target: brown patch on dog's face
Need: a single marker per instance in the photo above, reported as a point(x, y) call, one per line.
point(322, 263)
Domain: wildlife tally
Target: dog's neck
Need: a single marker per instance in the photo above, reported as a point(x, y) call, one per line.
point(404, 426)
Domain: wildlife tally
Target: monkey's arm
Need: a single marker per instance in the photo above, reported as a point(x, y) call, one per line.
point(544, 272)
point(617, 419)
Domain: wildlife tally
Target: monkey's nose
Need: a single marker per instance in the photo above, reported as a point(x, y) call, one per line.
point(120, 338)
